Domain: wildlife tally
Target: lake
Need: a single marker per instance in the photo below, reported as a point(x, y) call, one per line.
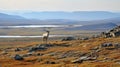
point(39, 26)
point(6, 36)
point(36, 26)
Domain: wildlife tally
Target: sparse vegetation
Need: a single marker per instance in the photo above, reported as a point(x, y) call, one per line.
point(82, 50)
point(60, 54)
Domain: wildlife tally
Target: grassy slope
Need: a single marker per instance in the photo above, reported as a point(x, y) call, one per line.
point(76, 45)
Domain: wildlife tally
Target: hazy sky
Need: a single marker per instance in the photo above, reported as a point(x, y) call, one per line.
point(61, 5)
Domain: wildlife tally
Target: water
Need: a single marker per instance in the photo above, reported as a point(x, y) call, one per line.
point(39, 26)
point(33, 36)
point(36, 26)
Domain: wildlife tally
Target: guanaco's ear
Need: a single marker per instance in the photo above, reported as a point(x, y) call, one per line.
point(47, 31)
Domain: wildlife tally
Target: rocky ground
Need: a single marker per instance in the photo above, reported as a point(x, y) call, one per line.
point(93, 52)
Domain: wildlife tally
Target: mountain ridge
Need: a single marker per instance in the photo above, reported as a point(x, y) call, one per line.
point(20, 20)
point(7, 16)
point(76, 15)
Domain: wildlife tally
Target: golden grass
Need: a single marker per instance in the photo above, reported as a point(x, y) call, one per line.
point(75, 45)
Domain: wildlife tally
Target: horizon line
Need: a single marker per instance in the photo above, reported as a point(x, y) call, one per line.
point(57, 10)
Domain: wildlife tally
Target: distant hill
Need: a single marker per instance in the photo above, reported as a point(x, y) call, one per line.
point(65, 18)
point(10, 17)
point(102, 26)
point(115, 20)
point(77, 15)
point(6, 19)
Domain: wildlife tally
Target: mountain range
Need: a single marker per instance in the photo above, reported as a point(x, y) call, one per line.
point(76, 15)
point(88, 19)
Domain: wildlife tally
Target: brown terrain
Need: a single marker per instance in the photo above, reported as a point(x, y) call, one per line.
point(75, 53)
point(86, 52)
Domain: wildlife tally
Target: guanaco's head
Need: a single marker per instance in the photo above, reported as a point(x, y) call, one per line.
point(47, 31)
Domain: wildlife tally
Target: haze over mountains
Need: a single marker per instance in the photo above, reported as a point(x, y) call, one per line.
point(77, 15)
point(85, 18)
